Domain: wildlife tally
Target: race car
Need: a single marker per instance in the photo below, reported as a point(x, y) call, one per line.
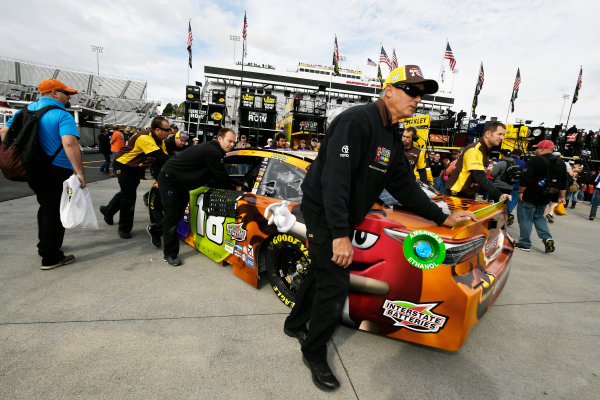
point(410, 279)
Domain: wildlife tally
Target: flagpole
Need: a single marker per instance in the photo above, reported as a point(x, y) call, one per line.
point(577, 93)
point(570, 108)
point(453, 75)
point(442, 64)
point(242, 81)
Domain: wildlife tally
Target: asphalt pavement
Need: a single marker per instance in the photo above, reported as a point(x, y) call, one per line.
point(119, 323)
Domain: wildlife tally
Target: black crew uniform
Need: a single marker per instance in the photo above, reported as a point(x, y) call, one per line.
point(362, 154)
point(194, 167)
point(141, 151)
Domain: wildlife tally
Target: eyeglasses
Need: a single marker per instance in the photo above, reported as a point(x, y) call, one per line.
point(411, 90)
point(64, 92)
point(165, 129)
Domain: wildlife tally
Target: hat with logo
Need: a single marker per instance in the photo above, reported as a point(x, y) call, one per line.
point(182, 135)
point(544, 144)
point(48, 85)
point(410, 75)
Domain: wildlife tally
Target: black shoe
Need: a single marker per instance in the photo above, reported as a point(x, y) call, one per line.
point(107, 217)
point(154, 239)
point(511, 219)
point(591, 218)
point(322, 375)
point(550, 218)
point(66, 260)
point(124, 235)
point(174, 261)
point(549, 244)
point(520, 246)
point(299, 334)
point(573, 205)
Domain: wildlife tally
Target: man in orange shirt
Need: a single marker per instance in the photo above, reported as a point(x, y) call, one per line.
point(116, 142)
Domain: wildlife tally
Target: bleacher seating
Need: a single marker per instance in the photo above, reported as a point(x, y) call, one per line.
point(123, 99)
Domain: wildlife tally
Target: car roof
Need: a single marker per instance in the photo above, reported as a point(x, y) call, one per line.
point(306, 155)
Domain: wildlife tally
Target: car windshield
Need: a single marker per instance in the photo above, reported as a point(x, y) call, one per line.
point(389, 201)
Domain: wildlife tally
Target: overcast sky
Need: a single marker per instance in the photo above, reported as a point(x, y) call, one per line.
point(548, 41)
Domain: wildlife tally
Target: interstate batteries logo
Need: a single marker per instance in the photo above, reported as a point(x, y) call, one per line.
point(236, 232)
point(415, 317)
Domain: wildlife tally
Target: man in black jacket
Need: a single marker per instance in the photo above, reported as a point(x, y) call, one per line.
point(543, 177)
point(194, 167)
point(361, 154)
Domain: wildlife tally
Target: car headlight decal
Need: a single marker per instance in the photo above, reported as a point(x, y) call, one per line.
point(363, 240)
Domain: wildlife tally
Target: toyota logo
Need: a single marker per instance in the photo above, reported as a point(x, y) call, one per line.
point(345, 149)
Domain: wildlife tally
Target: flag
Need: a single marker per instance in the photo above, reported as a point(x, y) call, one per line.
point(394, 59)
point(578, 86)
point(245, 34)
point(515, 90)
point(189, 43)
point(379, 74)
point(477, 90)
point(336, 58)
point(371, 62)
point(384, 58)
point(448, 55)
point(443, 74)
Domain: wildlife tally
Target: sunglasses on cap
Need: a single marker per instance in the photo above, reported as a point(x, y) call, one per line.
point(64, 92)
point(410, 90)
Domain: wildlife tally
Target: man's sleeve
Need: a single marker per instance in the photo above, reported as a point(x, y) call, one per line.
point(473, 160)
point(217, 170)
point(66, 124)
point(485, 184)
point(404, 187)
point(343, 158)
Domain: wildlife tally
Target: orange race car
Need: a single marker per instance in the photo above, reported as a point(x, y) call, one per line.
point(410, 279)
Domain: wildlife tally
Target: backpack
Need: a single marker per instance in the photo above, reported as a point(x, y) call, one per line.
point(512, 173)
point(21, 156)
point(551, 183)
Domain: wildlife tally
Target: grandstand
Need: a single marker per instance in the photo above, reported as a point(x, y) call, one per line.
point(101, 100)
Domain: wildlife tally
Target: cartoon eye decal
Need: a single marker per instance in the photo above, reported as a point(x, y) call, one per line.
point(363, 240)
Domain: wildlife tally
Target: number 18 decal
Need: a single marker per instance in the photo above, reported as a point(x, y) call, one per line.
point(213, 229)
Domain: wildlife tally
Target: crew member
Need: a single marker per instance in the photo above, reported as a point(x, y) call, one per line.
point(414, 155)
point(142, 151)
point(177, 143)
point(469, 173)
point(280, 141)
point(361, 155)
point(194, 167)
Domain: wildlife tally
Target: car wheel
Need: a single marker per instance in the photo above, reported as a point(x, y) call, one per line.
point(155, 208)
point(287, 264)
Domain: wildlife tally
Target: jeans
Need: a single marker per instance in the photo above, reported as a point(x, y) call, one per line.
point(595, 201)
point(106, 165)
point(515, 200)
point(48, 191)
point(438, 184)
point(532, 214)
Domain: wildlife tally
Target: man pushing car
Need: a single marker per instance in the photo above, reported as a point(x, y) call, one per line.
point(362, 154)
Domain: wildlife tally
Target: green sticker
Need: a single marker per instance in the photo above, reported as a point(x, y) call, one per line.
point(424, 249)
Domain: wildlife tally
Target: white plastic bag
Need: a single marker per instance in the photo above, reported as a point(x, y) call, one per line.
point(76, 206)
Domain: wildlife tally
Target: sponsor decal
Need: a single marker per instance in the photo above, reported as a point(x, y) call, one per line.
point(282, 297)
point(415, 71)
point(255, 186)
point(383, 155)
point(261, 172)
point(237, 253)
point(249, 250)
point(395, 78)
point(236, 232)
point(228, 248)
point(345, 151)
point(238, 247)
point(279, 157)
point(378, 169)
point(216, 116)
point(259, 179)
point(250, 262)
point(413, 316)
point(493, 247)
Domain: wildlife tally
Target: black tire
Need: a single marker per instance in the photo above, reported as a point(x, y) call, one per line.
point(155, 208)
point(287, 264)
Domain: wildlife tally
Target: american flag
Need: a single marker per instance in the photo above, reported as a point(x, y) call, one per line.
point(371, 62)
point(189, 43)
point(245, 34)
point(481, 76)
point(515, 90)
point(336, 58)
point(383, 57)
point(450, 56)
point(578, 86)
point(394, 59)
point(477, 90)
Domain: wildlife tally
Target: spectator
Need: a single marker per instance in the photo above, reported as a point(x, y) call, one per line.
point(56, 128)
point(280, 141)
point(269, 143)
point(414, 155)
point(437, 171)
point(174, 130)
point(459, 118)
point(314, 144)
point(542, 176)
point(506, 174)
point(117, 141)
point(549, 212)
point(242, 144)
point(573, 186)
point(361, 156)
point(104, 148)
point(127, 134)
point(192, 168)
point(302, 145)
point(595, 198)
point(132, 161)
point(471, 166)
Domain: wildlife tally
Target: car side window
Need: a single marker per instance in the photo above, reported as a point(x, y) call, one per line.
point(242, 170)
point(282, 181)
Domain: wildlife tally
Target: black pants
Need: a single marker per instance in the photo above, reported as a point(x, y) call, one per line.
point(322, 295)
point(174, 198)
point(124, 201)
point(48, 190)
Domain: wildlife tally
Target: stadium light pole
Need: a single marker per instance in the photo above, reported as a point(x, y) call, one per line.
point(565, 98)
point(97, 50)
point(234, 38)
